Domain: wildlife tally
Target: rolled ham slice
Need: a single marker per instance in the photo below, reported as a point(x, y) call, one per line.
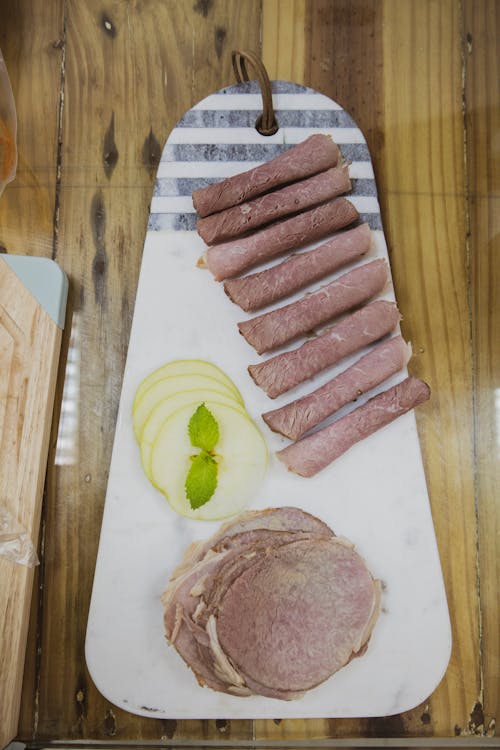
point(288, 200)
point(296, 418)
point(232, 258)
point(265, 287)
point(275, 328)
point(284, 371)
point(312, 454)
point(315, 154)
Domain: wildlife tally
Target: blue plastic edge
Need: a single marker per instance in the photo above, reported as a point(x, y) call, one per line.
point(46, 281)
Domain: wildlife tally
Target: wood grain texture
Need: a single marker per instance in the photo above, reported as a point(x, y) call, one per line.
point(284, 35)
point(482, 97)
point(31, 42)
point(395, 70)
point(131, 70)
point(426, 213)
point(421, 80)
point(331, 43)
point(29, 351)
point(30, 39)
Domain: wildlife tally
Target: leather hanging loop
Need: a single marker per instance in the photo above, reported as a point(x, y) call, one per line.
point(266, 123)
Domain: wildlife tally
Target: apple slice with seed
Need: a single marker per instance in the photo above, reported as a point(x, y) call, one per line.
point(166, 408)
point(240, 453)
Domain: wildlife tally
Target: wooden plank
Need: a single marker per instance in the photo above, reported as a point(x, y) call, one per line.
point(425, 220)
point(344, 60)
point(30, 39)
point(363, 55)
point(482, 55)
point(110, 163)
point(29, 350)
point(131, 71)
point(330, 42)
point(283, 39)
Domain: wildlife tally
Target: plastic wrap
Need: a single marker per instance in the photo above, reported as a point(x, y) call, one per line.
point(15, 542)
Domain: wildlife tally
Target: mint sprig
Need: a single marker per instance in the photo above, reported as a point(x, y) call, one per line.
point(201, 480)
point(203, 429)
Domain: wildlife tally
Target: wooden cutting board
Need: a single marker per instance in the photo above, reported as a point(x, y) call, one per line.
point(32, 305)
point(375, 494)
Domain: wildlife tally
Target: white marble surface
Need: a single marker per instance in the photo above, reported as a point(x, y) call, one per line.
point(375, 495)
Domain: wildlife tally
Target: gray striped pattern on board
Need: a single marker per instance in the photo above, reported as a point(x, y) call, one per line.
point(223, 117)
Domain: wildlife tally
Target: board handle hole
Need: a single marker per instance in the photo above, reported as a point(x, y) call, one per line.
point(266, 123)
point(266, 131)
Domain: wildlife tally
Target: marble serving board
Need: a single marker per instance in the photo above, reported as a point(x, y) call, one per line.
point(375, 494)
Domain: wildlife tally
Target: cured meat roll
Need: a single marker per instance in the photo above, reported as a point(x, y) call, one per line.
point(315, 154)
point(284, 371)
point(275, 328)
point(312, 454)
point(265, 287)
point(231, 258)
point(296, 418)
point(288, 200)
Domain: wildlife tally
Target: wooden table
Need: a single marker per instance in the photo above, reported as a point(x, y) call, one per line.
point(98, 88)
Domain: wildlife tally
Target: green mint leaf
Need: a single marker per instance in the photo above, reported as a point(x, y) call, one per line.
point(203, 429)
point(201, 480)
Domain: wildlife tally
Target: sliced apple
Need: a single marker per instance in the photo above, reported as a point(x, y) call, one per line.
point(169, 386)
point(165, 408)
point(185, 367)
point(240, 453)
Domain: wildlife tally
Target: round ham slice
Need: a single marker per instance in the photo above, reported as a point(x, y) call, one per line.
point(292, 621)
point(241, 574)
point(272, 519)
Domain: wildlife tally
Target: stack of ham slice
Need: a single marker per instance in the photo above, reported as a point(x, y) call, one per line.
point(273, 604)
point(278, 207)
